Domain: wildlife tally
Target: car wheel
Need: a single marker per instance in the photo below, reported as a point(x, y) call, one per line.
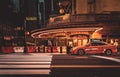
point(81, 52)
point(108, 52)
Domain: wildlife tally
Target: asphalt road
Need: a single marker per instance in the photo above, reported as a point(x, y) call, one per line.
point(85, 66)
point(58, 65)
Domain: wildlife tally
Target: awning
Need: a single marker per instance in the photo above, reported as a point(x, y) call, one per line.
point(50, 32)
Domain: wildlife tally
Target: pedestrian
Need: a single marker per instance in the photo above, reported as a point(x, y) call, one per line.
point(68, 49)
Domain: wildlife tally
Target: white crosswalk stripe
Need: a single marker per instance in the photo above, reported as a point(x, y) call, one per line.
point(22, 72)
point(25, 64)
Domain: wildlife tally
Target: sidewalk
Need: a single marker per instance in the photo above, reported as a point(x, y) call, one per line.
point(20, 53)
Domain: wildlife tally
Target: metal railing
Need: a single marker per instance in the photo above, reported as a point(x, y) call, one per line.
point(85, 18)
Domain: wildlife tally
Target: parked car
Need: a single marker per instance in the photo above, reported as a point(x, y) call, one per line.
point(94, 48)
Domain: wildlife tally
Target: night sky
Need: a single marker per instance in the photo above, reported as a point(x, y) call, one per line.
point(10, 12)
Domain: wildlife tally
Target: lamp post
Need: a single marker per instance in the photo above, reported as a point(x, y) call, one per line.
point(27, 19)
point(25, 45)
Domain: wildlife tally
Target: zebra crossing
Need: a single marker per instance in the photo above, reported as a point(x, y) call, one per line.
point(25, 64)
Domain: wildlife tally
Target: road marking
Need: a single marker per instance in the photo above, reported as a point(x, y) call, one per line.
point(25, 63)
point(25, 72)
point(26, 60)
point(85, 66)
point(81, 57)
point(25, 66)
point(108, 58)
point(23, 56)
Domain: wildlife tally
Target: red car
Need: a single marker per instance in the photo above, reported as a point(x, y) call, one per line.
point(94, 48)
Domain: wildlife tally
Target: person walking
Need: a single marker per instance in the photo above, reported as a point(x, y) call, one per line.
point(68, 49)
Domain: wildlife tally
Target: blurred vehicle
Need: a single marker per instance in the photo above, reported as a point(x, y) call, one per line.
point(7, 49)
point(31, 49)
point(94, 48)
point(18, 49)
point(14, 49)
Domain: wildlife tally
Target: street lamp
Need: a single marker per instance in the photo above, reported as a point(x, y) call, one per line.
point(25, 45)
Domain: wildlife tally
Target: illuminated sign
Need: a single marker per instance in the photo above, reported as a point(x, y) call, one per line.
point(31, 18)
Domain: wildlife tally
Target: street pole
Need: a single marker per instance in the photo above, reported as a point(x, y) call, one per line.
point(25, 45)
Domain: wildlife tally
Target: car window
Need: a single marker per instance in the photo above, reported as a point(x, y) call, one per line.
point(98, 44)
point(103, 44)
point(94, 44)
